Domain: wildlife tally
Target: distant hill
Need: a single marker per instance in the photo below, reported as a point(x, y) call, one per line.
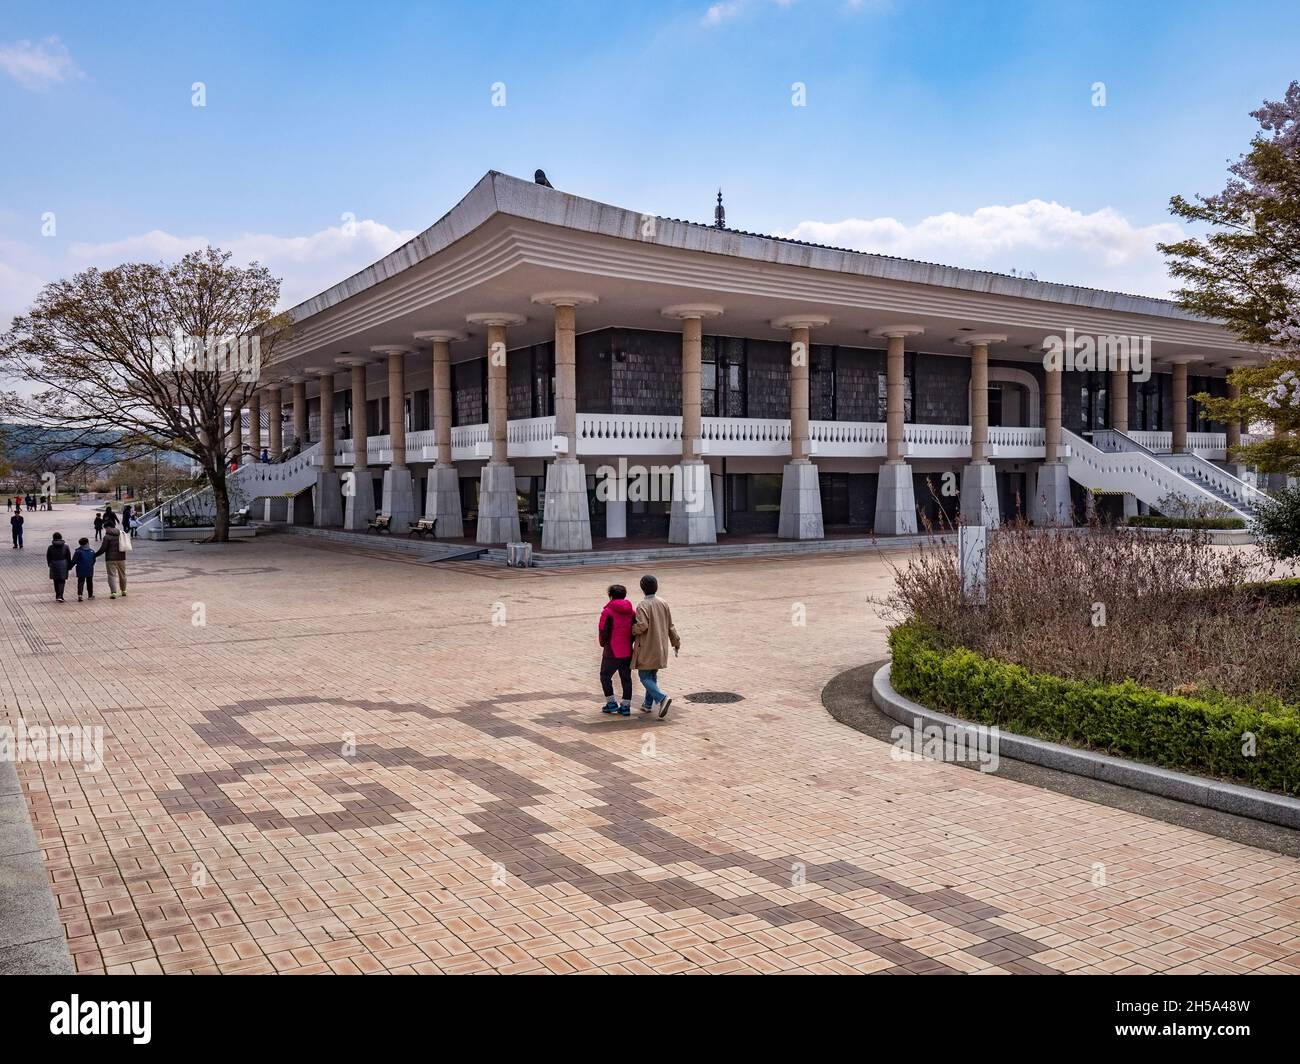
point(24, 443)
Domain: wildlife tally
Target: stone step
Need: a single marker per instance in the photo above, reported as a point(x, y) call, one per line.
point(635, 555)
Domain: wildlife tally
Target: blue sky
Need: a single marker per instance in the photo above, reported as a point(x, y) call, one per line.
point(960, 132)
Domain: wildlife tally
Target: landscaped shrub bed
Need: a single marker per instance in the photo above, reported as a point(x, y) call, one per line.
point(1160, 647)
point(1206, 735)
point(1214, 523)
point(1166, 610)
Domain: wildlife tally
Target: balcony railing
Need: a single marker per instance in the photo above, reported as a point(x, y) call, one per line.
point(661, 435)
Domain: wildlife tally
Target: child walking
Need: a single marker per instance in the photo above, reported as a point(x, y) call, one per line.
point(615, 631)
point(83, 558)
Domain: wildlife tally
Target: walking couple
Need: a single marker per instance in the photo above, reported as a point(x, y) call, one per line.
point(638, 639)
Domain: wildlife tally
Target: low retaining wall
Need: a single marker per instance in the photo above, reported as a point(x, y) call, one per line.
point(1197, 790)
point(236, 532)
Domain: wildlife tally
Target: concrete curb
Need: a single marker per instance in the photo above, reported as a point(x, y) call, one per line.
point(1197, 790)
point(32, 941)
point(787, 548)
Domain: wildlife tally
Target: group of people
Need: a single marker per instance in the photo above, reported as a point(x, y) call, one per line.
point(32, 502)
point(637, 638)
point(63, 561)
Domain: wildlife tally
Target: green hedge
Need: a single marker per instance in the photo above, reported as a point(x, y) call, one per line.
point(1217, 523)
point(1202, 735)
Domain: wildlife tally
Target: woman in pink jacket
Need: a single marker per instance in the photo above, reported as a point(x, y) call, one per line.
point(615, 631)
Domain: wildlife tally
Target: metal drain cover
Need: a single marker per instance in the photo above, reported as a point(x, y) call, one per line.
point(715, 696)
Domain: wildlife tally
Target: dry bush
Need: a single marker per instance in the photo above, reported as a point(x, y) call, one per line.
point(1164, 609)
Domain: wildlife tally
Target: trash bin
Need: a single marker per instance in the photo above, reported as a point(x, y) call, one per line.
point(519, 555)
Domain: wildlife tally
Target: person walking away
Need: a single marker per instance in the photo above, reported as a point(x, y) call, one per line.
point(83, 558)
point(99, 526)
point(59, 559)
point(127, 515)
point(114, 560)
point(615, 632)
point(9, 503)
point(110, 518)
point(653, 633)
point(16, 526)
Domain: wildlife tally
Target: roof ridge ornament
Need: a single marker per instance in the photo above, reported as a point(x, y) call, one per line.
point(719, 213)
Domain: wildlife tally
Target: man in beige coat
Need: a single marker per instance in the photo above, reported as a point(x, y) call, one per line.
point(654, 633)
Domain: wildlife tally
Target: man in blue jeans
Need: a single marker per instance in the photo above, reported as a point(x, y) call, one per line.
point(654, 633)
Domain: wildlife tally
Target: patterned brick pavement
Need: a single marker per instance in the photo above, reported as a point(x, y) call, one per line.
point(350, 767)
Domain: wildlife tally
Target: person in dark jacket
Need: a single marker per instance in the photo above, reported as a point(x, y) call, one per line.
point(59, 559)
point(16, 526)
point(615, 632)
point(114, 559)
point(99, 526)
point(84, 560)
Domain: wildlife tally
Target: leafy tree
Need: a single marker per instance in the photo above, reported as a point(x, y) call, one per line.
point(1246, 272)
point(144, 358)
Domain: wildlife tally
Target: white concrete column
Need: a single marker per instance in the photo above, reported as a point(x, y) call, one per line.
point(801, 497)
point(358, 490)
point(979, 481)
point(1119, 400)
point(1180, 401)
point(691, 520)
point(274, 422)
point(327, 496)
point(442, 492)
point(498, 505)
point(895, 495)
point(399, 487)
point(1050, 503)
point(255, 425)
point(300, 411)
point(566, 519)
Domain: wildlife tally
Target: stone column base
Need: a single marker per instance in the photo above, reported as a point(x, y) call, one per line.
point(566, 520)
point(801, 502)
point(498, 505)
point(359, 507)
point(399, 498)
point(328, 496)
point(979, 495)
point(442, 502)
point(277, 509)
point(690, 521)
point(895, 500)
point(1050, 503)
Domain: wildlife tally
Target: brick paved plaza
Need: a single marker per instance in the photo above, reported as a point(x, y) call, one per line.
point(490, 819)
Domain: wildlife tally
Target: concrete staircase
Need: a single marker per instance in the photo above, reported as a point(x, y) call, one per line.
point(256, 480)
point(1117, 462)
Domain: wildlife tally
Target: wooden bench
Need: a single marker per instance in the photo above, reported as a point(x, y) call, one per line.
point(423, 527)
point(381, 523)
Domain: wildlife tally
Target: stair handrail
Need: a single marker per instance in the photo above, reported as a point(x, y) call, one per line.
point(1169, 480)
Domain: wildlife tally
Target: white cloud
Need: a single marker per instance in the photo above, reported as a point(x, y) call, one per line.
point(39, 66)
point(306, 265)
point(723, 11)
point(1101, 250)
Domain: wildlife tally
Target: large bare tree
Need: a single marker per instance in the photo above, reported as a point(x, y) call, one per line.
point(146, 358)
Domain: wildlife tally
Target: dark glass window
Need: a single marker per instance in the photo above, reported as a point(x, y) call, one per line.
point(765, 492)
point(343, 415)
point(709, 378)
point(882, 393)
point(821, 383)
point(732, 400)
point(543, 380)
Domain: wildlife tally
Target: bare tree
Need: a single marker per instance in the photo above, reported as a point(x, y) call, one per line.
point(145, 358)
